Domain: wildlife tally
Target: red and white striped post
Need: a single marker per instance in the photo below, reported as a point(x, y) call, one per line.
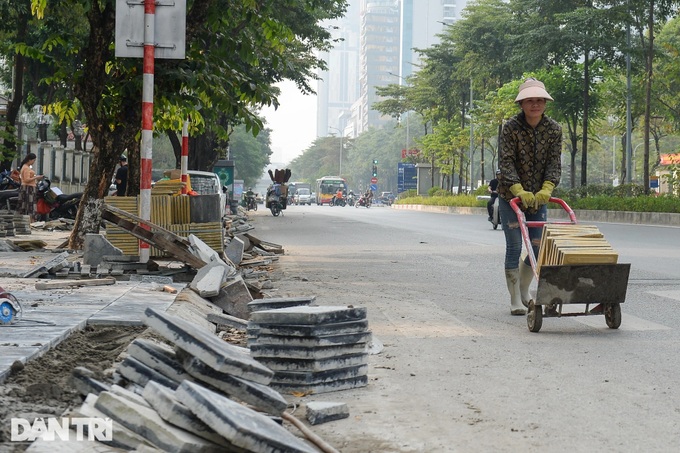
point(184, 159)
point(147, 123)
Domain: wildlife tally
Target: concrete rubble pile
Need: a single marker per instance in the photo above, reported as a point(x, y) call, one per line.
point(195, 392)
point(203, 395)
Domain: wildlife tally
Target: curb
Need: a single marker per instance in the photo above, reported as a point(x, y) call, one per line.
point(582, 215)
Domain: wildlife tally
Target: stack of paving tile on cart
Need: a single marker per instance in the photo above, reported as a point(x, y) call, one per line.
point(7, 224)
point(312, 349)
point(565, 244)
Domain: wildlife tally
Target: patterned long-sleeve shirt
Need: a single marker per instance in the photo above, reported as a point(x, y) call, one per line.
point(529, 156)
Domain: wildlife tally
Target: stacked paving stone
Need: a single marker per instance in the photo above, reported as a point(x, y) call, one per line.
point(6, 224)
point(203, 395)
point(312, 349)
point(22, 224)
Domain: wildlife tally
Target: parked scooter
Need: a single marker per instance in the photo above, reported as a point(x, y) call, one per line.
point(9, 199)
point(7, 182)
point(53, 204)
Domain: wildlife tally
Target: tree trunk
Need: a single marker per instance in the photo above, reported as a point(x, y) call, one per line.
point(648, 96)
point(586, 106)
point(14, 105)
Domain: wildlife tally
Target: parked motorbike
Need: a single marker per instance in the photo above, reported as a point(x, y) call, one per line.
point(8, 199)
point(53, 204)
point(7, 182)
point(362, 201)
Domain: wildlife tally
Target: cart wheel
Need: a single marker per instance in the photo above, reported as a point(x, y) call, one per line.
point(534, 317)
point(612, 314)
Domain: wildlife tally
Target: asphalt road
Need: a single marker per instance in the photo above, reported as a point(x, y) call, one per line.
point(459, 374)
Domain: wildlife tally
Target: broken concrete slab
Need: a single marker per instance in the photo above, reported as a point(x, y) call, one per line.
point(96, 247)
point(234, 250)
point(47, 266)
point(151, 426)
point(273, 303)
point(234, 298)
point(193, 308)
point(206, 253)
point(212, 351)
point(133, 396)
point(322, 411)
point(309, 315)
point(159, 357)
point(135, 371)
point(163, 400)
point(209, 279)
point(227, 320)
point(260, 396)
point(122, 437)
point(85, 383)
point(245, 240)
point(242, 426)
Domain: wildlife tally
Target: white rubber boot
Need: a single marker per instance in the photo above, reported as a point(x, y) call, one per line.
point(512, 280)
point(526, 275)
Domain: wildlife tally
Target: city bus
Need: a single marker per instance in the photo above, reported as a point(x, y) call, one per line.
point(327, 187)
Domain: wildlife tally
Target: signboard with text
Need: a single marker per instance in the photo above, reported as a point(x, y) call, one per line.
point(409, 153)
point(407, 177)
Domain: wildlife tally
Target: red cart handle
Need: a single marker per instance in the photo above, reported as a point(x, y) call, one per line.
point(524, 226)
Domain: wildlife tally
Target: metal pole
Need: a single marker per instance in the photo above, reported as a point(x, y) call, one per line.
point(184, 158)
point(472, 141)
point(147, 123)
point(341, 138)
point(629, 121)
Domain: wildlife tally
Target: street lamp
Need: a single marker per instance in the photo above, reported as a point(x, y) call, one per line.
point(341, 138)
point(633, 163)
point(403, 82)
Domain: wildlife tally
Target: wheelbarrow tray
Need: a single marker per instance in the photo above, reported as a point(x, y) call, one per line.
point(582, 284)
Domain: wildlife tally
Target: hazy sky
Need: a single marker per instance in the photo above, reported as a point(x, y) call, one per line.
point(293, 125)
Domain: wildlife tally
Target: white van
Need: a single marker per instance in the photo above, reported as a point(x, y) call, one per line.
point(207, 183)
point(303, 196)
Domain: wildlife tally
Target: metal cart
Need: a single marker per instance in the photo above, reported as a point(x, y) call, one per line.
point(604, 285)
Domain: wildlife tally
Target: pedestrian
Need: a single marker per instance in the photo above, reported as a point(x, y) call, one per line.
point(26, 201)
point(121, 177)
point(529, 156)
point(493, 190)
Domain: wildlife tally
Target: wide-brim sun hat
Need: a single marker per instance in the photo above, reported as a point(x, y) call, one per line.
point(532, 88)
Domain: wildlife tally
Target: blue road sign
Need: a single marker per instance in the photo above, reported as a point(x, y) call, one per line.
point(374, 187)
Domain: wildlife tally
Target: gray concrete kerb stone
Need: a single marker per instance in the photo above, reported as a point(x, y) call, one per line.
point(322, 412)
point(95, 247)
point(243, 426)
point(208, 280)
point(212, 351)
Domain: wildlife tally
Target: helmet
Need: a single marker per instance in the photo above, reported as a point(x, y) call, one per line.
point(122, 159)
point(498, 172)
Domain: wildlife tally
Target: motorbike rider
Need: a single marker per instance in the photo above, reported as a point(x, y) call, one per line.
point(493, 190)
point(338, 197)
point(250, 196)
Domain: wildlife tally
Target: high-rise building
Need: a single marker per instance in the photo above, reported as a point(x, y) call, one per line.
point(338, 88)
point(377, 49)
